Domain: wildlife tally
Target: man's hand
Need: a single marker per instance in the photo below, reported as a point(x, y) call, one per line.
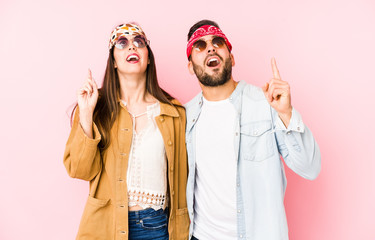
point(277, 93)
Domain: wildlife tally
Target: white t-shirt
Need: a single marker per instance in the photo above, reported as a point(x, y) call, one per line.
point(216, 164)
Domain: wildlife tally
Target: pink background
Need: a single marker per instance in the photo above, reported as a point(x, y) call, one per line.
point(324, 49)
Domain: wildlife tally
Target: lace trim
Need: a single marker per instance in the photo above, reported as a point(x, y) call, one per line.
point(137, 197)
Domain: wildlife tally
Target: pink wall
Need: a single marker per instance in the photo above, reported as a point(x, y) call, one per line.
point(324, 48)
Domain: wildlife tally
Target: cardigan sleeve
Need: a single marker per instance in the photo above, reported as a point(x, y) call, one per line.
point(82, 157)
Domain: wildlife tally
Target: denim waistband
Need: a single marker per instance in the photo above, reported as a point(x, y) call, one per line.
point(149, 212)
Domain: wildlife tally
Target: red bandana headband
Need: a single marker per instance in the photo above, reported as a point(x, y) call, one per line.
point(203, 31)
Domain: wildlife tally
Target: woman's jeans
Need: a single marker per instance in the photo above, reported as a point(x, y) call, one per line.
point(148, 224)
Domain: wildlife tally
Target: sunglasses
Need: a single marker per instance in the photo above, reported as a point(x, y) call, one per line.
point(138, 42)
point(201, 45)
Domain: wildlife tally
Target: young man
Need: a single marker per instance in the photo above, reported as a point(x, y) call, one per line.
point(235, 135)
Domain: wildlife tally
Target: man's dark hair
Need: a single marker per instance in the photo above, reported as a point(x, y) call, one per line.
point(200, 24)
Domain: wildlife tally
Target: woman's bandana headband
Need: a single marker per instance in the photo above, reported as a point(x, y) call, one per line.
point(203, 31)
point(125, 30)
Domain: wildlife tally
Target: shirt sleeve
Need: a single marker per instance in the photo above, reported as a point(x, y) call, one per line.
point(296, 124)
point(297, 146)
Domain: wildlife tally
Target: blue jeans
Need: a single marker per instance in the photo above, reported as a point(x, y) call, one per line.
point(148, 224)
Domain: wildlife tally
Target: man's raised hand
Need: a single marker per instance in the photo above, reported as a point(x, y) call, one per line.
point(277, 93)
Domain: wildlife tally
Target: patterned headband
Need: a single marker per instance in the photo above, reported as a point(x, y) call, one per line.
point(203, 31)
point(124, 30)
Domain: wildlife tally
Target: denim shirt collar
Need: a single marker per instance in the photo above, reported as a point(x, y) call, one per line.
point(194, 107)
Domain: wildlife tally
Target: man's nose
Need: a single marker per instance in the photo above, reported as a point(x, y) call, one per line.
point(210, 47)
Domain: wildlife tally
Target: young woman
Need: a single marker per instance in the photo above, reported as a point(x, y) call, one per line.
point(128, 140)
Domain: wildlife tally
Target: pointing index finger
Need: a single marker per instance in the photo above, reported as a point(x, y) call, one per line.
point(90, 74)
point(275, 71)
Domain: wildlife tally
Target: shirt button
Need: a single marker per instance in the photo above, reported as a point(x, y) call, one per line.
point(241, 236)
point(123, 232)
point(123, 154)
point(120, 180)
point(161, 119)
point(193, 120)
point(255, 132)
point(298, 128)
point(121, 206)
point(238, 184)
point(170, 143)
point(236, 133)
point(288, 133)
point(172, 193)
point(238, 210)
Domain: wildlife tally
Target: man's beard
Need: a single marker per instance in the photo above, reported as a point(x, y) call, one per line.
point(217, 79)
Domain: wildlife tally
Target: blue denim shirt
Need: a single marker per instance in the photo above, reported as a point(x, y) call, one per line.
point(260, 139)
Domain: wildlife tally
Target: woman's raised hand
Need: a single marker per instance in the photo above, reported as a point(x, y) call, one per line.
point(88, 95)
point(87, 99)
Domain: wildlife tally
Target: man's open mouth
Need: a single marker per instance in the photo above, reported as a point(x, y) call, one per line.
point(213, 61)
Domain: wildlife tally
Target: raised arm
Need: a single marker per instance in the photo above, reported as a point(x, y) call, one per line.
point(82, 156)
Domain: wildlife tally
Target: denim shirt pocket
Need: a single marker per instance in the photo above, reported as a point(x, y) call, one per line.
point(256, 141)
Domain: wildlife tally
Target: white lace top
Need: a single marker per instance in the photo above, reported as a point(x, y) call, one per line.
point(147, 167)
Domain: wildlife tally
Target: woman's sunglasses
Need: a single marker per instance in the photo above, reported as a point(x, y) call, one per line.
point(138, 42)
point(201, 45)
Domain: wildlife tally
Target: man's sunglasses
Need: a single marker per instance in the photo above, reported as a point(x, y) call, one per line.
point(201, 45)
point(138, 42)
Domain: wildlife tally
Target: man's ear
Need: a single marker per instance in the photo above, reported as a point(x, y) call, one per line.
point(232, 58)
point(191, 68)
